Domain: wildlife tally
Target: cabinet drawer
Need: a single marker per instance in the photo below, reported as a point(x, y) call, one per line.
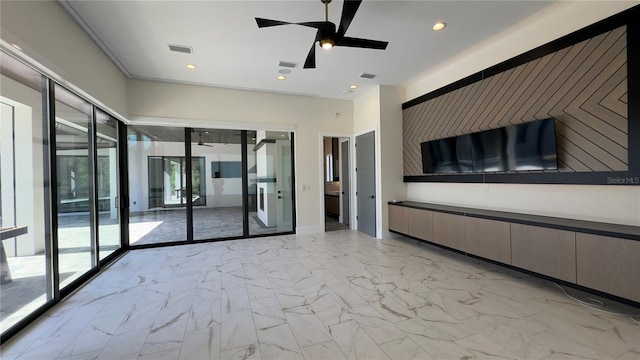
point(448, 230)
point(609, 264)
point(490, 239)
point(546, 251)
point(420, 224)
point(398, 219)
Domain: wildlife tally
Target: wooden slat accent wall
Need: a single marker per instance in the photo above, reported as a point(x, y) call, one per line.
point(584, 87)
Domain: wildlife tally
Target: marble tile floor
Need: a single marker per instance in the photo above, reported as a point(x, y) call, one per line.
point(27, 292)
point(336, 295)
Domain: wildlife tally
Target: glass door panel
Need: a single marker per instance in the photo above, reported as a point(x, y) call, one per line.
point(107, 184)
point(216, 183)
point(271, 180)
point(24, 275)
point(74, 185)
point(157, 179)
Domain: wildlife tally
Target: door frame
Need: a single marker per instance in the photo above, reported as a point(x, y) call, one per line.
point(352, 140)
point(340, 142)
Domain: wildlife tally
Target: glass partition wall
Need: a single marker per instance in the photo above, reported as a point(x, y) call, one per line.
point(239, 183)
point(270, 182)
point(25, 275)
point(74, 195)
point(217, 183)
point(157, 185)
point(59, 192)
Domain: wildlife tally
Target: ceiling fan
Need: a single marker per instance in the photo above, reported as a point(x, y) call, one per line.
point(327, 35)
point(200, 142)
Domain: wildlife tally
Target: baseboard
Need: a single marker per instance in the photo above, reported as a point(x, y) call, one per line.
point(309, 230)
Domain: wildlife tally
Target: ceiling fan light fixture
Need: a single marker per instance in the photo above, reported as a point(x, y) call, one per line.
point(327, 43)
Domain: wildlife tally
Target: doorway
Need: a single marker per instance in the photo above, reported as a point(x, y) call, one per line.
point(336, 183)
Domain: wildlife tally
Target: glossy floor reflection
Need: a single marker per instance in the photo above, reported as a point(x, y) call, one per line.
point(335, 295)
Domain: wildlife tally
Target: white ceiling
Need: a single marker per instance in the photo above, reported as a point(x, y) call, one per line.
point(230, 51)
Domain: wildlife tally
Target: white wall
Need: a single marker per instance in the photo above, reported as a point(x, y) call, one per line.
point(606, 203)
point(225, 108)
point(391, 178)
point(50, 37)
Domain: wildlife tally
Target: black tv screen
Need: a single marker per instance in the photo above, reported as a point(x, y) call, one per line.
point(489, 150)
point(449, 155)
point(534, 145)
point(520, 147)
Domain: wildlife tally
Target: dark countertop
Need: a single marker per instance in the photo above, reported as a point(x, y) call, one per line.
point(10, 232)
point(591, 227)
point(333, 193)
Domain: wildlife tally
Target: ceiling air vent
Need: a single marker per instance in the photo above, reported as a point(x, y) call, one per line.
point(367, 76)
point(287, 64)
point(181, 49)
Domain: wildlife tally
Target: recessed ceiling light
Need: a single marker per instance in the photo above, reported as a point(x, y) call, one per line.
point(354, 86)
point(439, 26)
point(16, 46)
point(191, 67)
point(282, 135)
point(284, 71)
point(281, 77)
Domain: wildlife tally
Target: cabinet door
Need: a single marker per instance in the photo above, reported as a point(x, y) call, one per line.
point(609, 264)
point(420, 224)
point(398, 219)
point(488, 238)
point(448, 230)
point(546, 251)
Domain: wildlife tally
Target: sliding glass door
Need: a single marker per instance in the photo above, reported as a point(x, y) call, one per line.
point(59, 192)
point(74, 192)
point(157, 185)
point(271, 180)
point(227, 190)
point(217, 183)
point(107, 184)
point(25, 277)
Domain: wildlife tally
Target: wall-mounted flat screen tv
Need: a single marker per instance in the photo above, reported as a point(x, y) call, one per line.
point(449, 155)
point(527, 146)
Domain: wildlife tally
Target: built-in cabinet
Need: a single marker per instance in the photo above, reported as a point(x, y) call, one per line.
point(604, 263)
point(609, 264)
point(546, 251)
point(448, 230)
point(332, 204)
point(420, 223)
point(488, 238)
point(398, 217)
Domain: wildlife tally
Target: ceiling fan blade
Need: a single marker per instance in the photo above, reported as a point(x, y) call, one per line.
point(310, 62)
point(349, 9)
point(363, 43)
point(312, 24)
point(268, 22)
point(320, 25)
